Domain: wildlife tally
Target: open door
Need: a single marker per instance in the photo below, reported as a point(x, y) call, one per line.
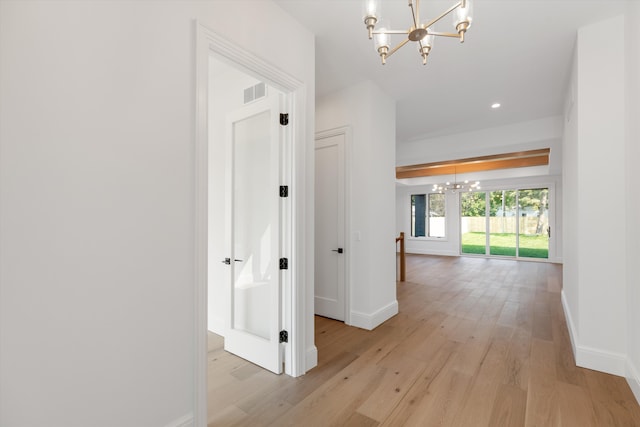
point(253, 233)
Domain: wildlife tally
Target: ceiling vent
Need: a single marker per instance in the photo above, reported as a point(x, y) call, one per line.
point(255, 92)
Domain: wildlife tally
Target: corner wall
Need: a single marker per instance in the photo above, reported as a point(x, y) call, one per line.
point(595, 287)
point(632, 155)
point(97, 202)
point(371, 172)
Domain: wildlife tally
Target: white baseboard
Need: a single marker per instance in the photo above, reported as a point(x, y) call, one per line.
point(590, 357)
point(573, 334)
point(217, 326)
point(183, 421)
point(419, 251)
point(311, 358)
point(633, 378)
point(370, 321)
point(599, 360)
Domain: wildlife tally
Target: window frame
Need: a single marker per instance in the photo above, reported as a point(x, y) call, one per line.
point(427, 222)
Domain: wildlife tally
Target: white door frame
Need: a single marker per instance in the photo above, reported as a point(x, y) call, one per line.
point(346, 131)
point(295, 309)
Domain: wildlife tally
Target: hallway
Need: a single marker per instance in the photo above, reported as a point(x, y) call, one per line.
point(477, 342)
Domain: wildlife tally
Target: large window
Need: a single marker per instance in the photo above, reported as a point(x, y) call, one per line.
point(428, 215)
point(508, 223)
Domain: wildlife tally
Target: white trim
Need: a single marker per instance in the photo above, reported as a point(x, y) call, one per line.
point(346, 131)
point(633, 378)
point(371, 321)
point(217, 326)
point(208, 42)
point(184, 421)
point(590, 357)
point(573, 333)
point(311, 357)
point(201, 227)
point(600, 360)
point(430, 252)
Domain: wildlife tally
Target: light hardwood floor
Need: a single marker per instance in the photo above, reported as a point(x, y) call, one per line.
point(478, 342)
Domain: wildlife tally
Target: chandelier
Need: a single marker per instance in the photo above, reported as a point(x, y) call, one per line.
point(455, 186)
point(422, 33)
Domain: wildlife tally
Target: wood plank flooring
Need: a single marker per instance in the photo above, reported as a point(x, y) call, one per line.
point(478, 342)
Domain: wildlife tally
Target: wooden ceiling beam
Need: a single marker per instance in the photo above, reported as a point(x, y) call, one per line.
point(476, 164)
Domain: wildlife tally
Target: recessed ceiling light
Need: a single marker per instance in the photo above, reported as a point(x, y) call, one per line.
point(495, 105)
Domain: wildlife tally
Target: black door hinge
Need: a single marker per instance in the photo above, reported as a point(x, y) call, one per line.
point(284, 263)
point(284, 119)
point(284, 336)
point(284, 191)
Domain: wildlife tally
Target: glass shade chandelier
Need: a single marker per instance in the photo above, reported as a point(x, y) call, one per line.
point(421, 33)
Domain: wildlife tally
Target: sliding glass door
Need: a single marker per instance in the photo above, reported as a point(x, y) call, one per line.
point(503, 212)
point(473, 223)
point(505, 223)
point(533, 227)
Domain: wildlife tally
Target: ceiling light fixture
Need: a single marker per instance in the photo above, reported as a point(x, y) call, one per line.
point(495, 105)
point(422, 33)
point(455, 186)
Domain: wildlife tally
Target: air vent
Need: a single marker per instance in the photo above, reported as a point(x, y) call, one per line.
point(255, 92)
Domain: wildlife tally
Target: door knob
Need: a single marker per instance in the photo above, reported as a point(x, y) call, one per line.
point(339, 250)
point(227, 261)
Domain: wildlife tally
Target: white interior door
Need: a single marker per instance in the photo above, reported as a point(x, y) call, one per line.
point(253, 234)
point(330, 227)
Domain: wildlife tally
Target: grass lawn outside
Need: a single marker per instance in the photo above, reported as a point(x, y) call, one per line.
point(504, 244)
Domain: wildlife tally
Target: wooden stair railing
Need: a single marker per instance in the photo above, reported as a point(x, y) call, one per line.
point(403, 265)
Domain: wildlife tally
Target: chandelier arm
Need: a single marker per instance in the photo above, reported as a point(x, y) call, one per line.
point(402, 43)
point(405, 32)
point(448, 11)
point(455, 35)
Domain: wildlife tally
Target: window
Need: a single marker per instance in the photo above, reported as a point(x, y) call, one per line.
point(431, 206)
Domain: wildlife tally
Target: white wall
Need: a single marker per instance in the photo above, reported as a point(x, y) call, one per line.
point(530, 135)
point(97, 202)
point(632, 154)
point(595, 148)
point(571, 232)
point(371, 116)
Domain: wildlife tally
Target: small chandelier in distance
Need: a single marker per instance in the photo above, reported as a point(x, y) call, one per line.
point(455, 186)
point(418, 32)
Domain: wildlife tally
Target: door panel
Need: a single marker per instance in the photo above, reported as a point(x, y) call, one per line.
point(533, 238)
point(503, 223)
point(473, 223)
point(330, 225)
point(253, 234)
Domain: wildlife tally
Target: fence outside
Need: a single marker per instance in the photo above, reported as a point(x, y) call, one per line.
point(506, 224)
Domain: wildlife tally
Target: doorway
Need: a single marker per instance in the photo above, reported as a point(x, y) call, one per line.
point(300, 353)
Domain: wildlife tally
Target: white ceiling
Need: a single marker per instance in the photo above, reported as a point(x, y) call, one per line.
point(517, 52)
